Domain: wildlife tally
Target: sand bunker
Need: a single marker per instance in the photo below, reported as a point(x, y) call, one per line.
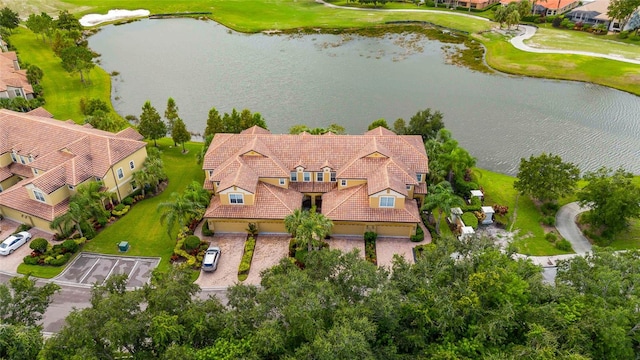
point(95, 19)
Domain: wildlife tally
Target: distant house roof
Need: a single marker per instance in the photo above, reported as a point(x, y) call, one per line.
point(42, 112)
point(10, 76)
point(547, 4)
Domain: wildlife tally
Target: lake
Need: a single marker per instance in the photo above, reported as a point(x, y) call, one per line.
point(351, 80)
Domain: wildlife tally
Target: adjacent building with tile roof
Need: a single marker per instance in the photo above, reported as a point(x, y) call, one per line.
point(549, 7)
point(13, 80)
point(370, 182)
point(43, 160)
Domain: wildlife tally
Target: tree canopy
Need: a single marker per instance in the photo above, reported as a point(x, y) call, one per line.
point(77, 59)
point(179, 133)
point(333, 128)
point(233, 123)
point(546, 177)
point(151, 125)
point(622, 10)
point(378, 123)
point(9, 19)
point(613, 198)
point(424, 123)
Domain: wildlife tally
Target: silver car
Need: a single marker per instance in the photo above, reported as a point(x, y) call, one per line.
point(10, 244)
point(211, 257)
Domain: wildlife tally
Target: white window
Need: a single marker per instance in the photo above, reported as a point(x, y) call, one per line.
point(306, 176)
point(236, 199)
point(333, 176)
point(39, 196)
point(343, 182)
point(387, 201)
point(419, 177)
point(210, 173)
point(319, 177)
point(132, 165)
point(35, 171)
point(18, 93)
point(282, 181)
point(13, 157)
point(408, 187)
point(22, 160)
point(71, 187)
point(120, 173)
point(294, 176)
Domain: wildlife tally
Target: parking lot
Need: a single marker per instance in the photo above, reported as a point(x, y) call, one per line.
point(89, 268)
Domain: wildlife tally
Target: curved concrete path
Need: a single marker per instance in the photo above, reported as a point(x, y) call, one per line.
point(529, 31)
point(566, 225)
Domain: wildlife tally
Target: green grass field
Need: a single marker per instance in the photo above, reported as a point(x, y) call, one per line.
point(551, 38)
point(141, 226)
point(62, 90)
point(44, 272)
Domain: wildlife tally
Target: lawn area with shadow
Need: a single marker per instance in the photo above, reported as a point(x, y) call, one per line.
point(141, 225)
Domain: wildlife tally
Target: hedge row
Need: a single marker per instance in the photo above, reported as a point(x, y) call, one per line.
point(245, 264)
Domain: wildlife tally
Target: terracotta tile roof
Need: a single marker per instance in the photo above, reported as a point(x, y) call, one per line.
point(240, 175)
point(130, 133)
point(20, 170)
point(271, 202)
point(51, 180)
point(389, 176)
point(17, 197)
point(547, 4)
point(255, 130)
point(352, 204)
point(5, 173)
point(10, 76)
point(40, 112)
point(420, 189)
point(380, 131)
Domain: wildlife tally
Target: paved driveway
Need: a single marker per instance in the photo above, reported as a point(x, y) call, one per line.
point(89, 268)
point(268, 252)
point(566, 225)
point(10, 263)
point(386, 247)
point(232, 247)
point(347, 244)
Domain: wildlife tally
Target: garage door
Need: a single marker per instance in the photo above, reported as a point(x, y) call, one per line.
point(347, 229)
point(394, 230)
point(230, 226)
point(271, 227)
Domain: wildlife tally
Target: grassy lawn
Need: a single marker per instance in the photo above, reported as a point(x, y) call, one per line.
point(141, 226)
point(44, 272)
point(501, 55)
point(62, 90)
point(498, 189)
point(551, 38)
point(629, 239)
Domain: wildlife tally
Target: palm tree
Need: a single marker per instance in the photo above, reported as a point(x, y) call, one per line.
point(76, 215)
point(293, 220)
point(311, 229)
point(196, 193)
point(179, 211)
point(91, 197)
point(441, 196)
point(142, 178)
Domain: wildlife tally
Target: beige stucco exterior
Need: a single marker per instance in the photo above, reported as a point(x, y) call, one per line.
point(248, 198)
point(5, 159)
point(121, 186)
point(241, 225)
point(374, 199)
point(382, 229)
point(24, 218)
point(4, 185)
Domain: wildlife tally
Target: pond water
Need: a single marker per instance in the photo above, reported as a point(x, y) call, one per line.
point(352, 81)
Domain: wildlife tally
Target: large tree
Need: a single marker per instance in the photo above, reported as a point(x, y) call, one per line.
point(424, 123)
point(378, 123)
point(179, 211)
point(622, 10)
point(233, 122)
point(179, 133)
point(77, 59)
point(40, 24)
point(613, 197)
point(151, 125)
point(308, 227)
point(66, 21)
point(441, 197)
point(546, 177)
point(9, 19)
point(171, 114)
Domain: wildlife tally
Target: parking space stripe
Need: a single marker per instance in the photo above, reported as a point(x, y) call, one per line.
point(113, 267)
point(132, 270)
point(90, 270)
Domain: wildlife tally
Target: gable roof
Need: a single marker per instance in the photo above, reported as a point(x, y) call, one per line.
point(10, 76)
point(271, 202)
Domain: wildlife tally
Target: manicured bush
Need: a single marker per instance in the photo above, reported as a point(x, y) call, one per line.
point(39, 244)
point(60, 260)
point(70, 246)
point(205, 229)
point(245, 263)
point(119, 207)
point(551, 237)
point(557, 22)
point(191, 242)
point(419, 236)
point(566, 23)
point(563, 245)
point(127, 201)
point(470, 219)
point(122, 212)
point(30, 260)
point(370, 236)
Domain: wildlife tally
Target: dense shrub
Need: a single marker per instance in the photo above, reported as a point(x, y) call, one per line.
point(563, 245)
point(548, 220)
point(30, 260)
point(551, 237)
point(531, 18)
point(245, 263)
point(205, 229)
point(470, 219)
point(120, 212)
point(60, 260)
point(549, 208)
point(292, 247)
point(566, 23)
point(191, 242)
point(180, 252)
point(623, 34)
point(126, 201)
point(557, 21)
point(475, 205)
point(70, 246)
point(419, 236)
point(370, 247)
point(40, 245)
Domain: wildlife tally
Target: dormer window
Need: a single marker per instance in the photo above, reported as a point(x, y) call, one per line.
point(282, 181)
point(306, 176)
point(387, 201)
point(38, 195)
point(408, 187)
point(319, 177)
point(333, 176)
point(343, 182)
point(236, 199)
point(419, 177)
point(294, 176)
point(13, 157)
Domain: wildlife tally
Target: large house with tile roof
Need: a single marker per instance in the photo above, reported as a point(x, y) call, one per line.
point(13, 80)
point(43, 160)
point(370, 182)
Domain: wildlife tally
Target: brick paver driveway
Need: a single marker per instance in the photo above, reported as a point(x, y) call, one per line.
point(232, 247)
point(10, 262)
point(268, 252)
point(386, 247)
point(347, 244)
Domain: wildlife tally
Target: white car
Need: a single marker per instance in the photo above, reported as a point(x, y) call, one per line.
point(10, 244)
